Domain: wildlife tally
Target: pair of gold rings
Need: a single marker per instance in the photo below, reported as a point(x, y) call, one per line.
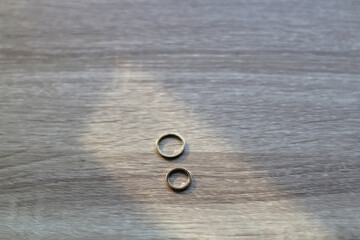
point(176, 154)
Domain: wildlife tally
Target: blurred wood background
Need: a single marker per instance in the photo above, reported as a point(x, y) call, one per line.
point(266, 93)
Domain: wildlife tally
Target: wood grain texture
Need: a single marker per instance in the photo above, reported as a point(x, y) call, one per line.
point(266, 93)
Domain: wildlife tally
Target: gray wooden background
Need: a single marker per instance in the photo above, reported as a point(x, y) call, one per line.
point(266, 93)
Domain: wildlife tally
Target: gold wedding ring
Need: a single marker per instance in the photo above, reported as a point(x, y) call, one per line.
point(176, 152)
point(183, 186)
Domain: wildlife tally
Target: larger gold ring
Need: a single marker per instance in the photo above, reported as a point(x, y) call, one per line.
point(176, 152)
point(183, 186)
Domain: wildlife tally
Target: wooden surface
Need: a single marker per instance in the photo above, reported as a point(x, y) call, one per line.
point(266, 93)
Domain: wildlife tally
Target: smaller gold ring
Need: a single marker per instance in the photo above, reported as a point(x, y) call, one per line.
point(182, 187)
point(178, 152)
